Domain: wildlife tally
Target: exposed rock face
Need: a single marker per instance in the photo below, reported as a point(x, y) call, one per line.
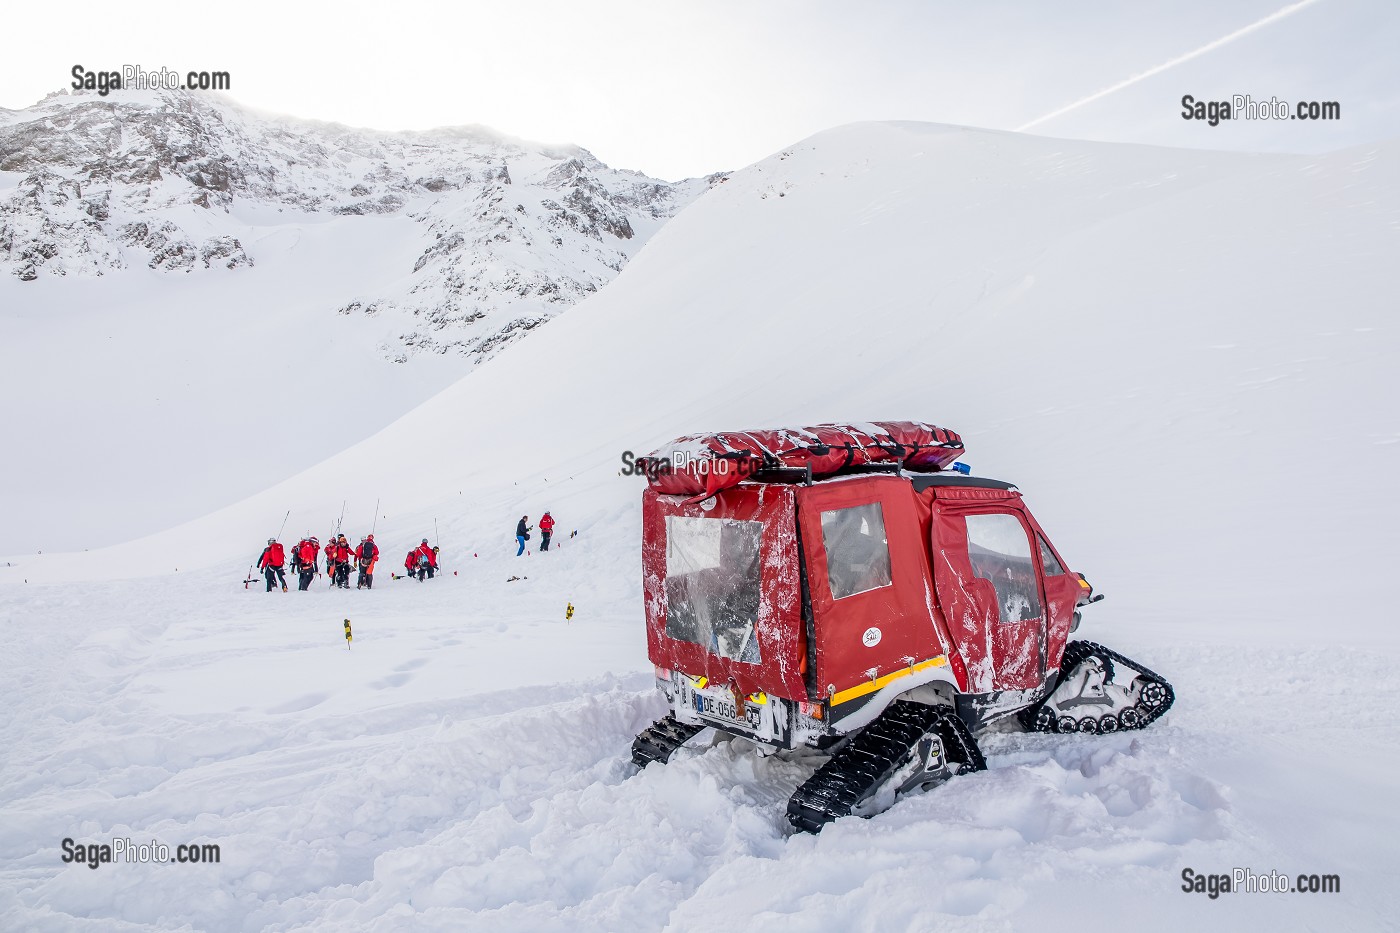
point(511, 232)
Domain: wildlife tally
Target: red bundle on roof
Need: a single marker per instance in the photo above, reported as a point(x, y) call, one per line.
point(703, 464)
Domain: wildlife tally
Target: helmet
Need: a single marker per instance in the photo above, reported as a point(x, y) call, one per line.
point(271, 540)
point(425, 540)
point(313, 540)
point(370, 538)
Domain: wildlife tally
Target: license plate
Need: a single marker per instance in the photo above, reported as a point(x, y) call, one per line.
point(720, 705)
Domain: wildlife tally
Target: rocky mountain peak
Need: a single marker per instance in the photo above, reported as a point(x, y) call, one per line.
point(510, 232)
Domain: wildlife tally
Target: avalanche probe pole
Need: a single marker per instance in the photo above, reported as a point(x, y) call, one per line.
point(375, 523)
point(436, 537)
point(284, 524)
point(340, 520)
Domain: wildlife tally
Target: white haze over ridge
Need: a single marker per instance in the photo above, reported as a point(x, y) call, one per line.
point(1185, 361)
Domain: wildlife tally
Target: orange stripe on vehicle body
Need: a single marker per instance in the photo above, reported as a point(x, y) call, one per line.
point(860, 690)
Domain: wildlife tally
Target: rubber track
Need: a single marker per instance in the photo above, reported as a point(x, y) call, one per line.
point(1076, 652)
point(859, 768)
point(660, 739)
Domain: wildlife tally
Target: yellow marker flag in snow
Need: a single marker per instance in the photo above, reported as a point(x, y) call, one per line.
point(347, 634)
point(569, 613)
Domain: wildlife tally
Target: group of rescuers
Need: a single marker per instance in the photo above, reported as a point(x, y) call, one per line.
point(421, 562)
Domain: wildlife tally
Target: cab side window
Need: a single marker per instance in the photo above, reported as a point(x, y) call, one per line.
point(857, 551)
point(1000, 553)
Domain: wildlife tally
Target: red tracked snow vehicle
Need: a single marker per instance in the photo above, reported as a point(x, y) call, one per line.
point(845, 588)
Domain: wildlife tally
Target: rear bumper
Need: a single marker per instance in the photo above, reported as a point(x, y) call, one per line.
point(761, 718)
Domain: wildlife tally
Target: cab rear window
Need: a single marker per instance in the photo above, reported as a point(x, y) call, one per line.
point(712, 584)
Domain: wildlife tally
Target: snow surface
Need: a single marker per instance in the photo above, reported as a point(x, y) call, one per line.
point(1185, 361)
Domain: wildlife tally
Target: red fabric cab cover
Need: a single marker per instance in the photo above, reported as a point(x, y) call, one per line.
point(703, 464)
point(780, 635)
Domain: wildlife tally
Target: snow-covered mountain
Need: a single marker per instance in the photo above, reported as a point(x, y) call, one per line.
point(174, 265)
point(508, 233)
point(1184, 359)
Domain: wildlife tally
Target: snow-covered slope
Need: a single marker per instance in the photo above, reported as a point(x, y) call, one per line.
point(171, 264)
point(1184, 338)
point(1184, 360)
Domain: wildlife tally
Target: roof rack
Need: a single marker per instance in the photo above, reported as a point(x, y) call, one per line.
point(803, 475)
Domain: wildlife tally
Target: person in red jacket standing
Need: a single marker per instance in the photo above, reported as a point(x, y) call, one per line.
point(334, 559)
point(271, 562)
point(546, 530)
point(306, 554)
point(365, 556)
point(344, 555)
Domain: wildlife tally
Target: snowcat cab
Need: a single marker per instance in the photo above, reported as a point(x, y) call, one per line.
point(840, 588)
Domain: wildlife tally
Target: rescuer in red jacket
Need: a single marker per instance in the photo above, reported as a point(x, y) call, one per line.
point(344, 556)
point(334, 559)
point(424, 560)
point(271, 562)
point(306, 553)
point(365, 556)
point(546, 530)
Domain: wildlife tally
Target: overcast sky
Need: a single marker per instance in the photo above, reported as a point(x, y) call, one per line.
point(686, 88)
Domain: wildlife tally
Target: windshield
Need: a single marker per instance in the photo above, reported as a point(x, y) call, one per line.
point(712, 584)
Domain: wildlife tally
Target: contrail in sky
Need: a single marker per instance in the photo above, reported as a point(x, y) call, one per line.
point(1208, 47)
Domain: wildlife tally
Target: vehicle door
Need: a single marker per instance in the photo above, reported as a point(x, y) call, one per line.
point(989, 586)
